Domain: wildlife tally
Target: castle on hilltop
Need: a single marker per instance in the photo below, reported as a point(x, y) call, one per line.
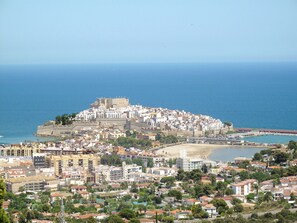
point(108, 103)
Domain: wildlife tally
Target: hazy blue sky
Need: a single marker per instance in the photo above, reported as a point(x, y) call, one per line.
point(95, 31)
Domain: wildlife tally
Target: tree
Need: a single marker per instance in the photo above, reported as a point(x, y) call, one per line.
point(244, 164)
point(111, 160)
point(150, 162)
point(195, 175)
point(238, 208)
point(175, 193)
point(221, 186)
point(258, 157)
point(181, 175)
point(127, 213)
point(292, 145)
point(244, 175)
point(220, 204)
point(213, 180)
point(134, 188)
point(250, 197)
point(113, 219)
point(3, 215)
point(166, 139)
point(157, 200)
point(260, 176)
point(198, 212)
point(204, 168)
point(235, 201)
point(280, 157)
point(268, 197)
point(202, 189)
point(134, 220)
point(65, 119)
point(169, 181)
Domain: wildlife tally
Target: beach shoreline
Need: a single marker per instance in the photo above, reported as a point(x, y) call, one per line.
point(202, 151)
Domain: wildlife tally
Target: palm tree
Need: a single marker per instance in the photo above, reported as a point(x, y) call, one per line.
point(268, 197)
point(256, 187)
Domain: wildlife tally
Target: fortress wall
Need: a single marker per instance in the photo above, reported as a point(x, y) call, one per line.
point(54, 130)
point(137, 126)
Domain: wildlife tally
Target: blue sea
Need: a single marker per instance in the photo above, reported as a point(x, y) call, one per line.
point(228, 154)
point(262, 95)
point(279, 139)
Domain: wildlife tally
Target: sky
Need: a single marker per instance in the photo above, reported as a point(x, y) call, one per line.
point(152, 31)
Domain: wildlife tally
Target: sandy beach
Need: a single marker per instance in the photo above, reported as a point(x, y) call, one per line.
point(193, 150)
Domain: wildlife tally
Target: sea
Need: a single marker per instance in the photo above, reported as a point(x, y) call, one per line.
point(254, 95)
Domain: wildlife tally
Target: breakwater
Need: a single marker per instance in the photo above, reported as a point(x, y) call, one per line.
point(272, 131)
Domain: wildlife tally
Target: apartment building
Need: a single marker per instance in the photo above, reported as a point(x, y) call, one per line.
point(244, 188)
point(59, 163)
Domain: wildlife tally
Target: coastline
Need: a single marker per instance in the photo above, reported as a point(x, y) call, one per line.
point(202, 151)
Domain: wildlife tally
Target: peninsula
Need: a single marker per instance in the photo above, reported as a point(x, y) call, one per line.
point(117, 113)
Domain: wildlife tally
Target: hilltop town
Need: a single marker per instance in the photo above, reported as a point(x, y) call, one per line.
point(113, 166)
point(118, 113)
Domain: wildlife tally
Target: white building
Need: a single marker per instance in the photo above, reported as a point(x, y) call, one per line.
point(244, 188)
point(188, 164)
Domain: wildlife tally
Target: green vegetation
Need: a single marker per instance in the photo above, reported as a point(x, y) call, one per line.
point(228, 124)
point(3, 215)
point(111, 160)
point(128, 142)
point(113, 219)
point(169, 181)
point(220, 204)
point(198, 212)
point(258, 157)
point(280, 157)
point(194, 175)
point(127, 213)
point(115, 160)
point(175, 193)
point(65, 119)
point(284, 216)
point(166, 139)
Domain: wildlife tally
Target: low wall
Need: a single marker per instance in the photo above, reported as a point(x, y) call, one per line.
point(58, 130)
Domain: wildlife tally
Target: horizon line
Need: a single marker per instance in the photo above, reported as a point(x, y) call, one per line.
point(123, 63)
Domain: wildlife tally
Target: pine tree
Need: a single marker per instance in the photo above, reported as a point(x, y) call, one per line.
point(3, 215)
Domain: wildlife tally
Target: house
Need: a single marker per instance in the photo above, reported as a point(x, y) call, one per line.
point(205, 199)
point(238, 160)
point(169, 200)
point(57, 195)
point(86, 216)
point(210, 209)
point(190, 201)
point(41, 221)
point(259, 164)
point(147, 220)
point(244, 187)
point(205, 180)
point(270, 168)
point(266, 186)
point(6, 204)
point(84, 194)
point(76, 189)
point(228, 200)
point(181, 214)
point(293, 162)
point(288, 181)
point(152, 213)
